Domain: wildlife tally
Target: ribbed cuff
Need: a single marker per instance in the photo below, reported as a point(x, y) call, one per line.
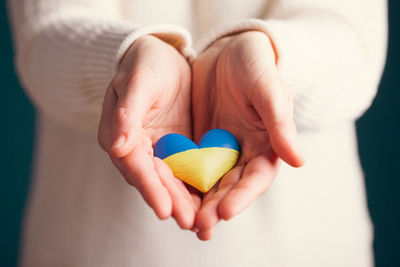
point(109, 46)
point(175, 35)
point(236, 27)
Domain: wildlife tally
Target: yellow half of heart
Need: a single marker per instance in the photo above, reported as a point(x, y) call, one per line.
point(203, 167)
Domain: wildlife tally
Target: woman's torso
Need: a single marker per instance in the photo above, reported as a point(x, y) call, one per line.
point(83, 213)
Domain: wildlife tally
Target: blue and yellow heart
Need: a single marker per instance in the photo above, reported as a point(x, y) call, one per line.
point(200, 165)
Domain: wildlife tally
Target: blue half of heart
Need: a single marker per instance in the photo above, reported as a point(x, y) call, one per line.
point(199, 165)
point(174, 143)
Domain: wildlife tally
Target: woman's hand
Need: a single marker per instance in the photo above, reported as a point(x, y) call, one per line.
point(149, 97)
point(236, 86)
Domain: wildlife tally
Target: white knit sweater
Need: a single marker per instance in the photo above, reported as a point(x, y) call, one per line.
point(82, 213)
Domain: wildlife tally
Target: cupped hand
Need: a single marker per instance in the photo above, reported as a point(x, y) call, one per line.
point(149, 97)
point(237, 87)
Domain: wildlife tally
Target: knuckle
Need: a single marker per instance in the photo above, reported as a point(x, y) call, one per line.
point(121, 115)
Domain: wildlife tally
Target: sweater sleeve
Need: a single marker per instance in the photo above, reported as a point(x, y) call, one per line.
point(67, 50)
point(330, 53)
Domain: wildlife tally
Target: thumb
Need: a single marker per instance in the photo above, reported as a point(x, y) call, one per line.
point(131, 107)
point(273, 102)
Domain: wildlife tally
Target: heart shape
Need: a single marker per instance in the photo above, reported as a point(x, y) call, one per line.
point(200, 165)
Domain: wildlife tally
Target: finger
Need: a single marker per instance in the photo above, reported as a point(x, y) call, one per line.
point(134, 100)
point(196, 196)
point(203, 200)
point(191, 195)
point(205, 235)
point(139, 170)
point(196, 200)
point(207, 196)
point(104, 135)
point(273, 102)
point(182, 208)
point(256, 178)
point(208, 216)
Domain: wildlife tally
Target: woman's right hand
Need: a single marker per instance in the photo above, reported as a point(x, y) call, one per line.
point(237, 87)
point(149, 97)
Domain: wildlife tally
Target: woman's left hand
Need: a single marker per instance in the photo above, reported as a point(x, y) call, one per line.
point(237, 87)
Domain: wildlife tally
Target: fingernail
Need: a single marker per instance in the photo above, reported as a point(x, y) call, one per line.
point(119, 141)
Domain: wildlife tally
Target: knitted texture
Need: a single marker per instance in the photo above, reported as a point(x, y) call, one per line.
point(331, 54)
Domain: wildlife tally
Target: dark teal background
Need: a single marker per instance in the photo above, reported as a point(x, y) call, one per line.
point(379, 146)
point(16, 138)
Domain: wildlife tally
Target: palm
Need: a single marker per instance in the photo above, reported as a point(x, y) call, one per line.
point(230, 108)
point(170, 112)
point(232, 112)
